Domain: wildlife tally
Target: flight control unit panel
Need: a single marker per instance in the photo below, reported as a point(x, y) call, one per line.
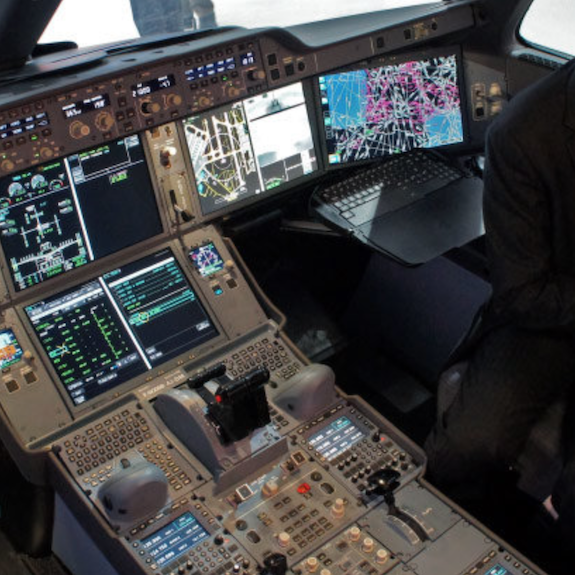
point(144, 374)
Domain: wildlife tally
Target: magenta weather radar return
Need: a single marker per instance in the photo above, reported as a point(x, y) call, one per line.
point(379, 111)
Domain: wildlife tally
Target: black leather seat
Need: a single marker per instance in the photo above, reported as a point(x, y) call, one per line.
point(540, 463)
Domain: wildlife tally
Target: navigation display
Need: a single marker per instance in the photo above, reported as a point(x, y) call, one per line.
point(207, 259)
point(62, 215)
point(175, 539)
point(120, 325)
point(250, 147)
point(376, 112)
point(336, 438)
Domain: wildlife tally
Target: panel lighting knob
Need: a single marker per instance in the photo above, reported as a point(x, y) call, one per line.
point(79, 130)
point(382, 556)
point(312, 564)
point(283, 539)
point(204, 101)
point(7, 165)
point(46, 153)
point(367, 545)
point(354, 533)
point(104, 121)
point(149, 107)
point(270, 488)
point(173, 99)
point(338, 508)
point(234, 92)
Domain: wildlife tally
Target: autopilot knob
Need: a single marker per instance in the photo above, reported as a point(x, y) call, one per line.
point(149, 107)
point(255, 75)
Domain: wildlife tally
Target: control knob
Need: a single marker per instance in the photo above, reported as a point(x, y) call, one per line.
point(382, 556)
point(148, 107)
point(354, 533)
point(255, 75)
point(270, 488)
point(79, 130)
point(338, 508)
point(173, 99)
point(7, 165)
point(204, 101)
point(104, 121)
point(283, 539)
point(312, 564)
point(46, 153)
point(367, 545)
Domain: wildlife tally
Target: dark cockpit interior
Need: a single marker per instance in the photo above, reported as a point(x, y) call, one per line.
point(237, 266)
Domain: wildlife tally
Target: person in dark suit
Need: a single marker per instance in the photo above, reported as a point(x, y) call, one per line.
point(524, 359)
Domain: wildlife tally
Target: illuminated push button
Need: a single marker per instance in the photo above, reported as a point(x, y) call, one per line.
point(367, 545)
point(312, 564)
point(283, 539)
point(338, 508)
point(354, 533)
point(270, 488)
point(382, 556)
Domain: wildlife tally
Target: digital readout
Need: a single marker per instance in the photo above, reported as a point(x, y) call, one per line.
point(336, 438)
point(24, 125)
point(497, 570)
point(150, 86)
point(173, 540)
point(87, 105)
point(211, 69)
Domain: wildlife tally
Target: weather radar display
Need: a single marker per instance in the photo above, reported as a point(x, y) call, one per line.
point(375, 112)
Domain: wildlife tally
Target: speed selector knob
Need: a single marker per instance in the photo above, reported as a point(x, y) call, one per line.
point(270, 488)
point(79, 130)
point(312, 564)
point(104, 121)
point(149, 107)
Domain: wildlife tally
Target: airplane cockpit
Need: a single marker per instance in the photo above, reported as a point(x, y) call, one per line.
point(240, 246)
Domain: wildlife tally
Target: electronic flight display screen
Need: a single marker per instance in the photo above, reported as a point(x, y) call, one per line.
point(173, 540)
point(336, 438)
point(374, 112)
point(250, 147)
point(10, 350)
point(120, 325)
point(207, 259)
point(65, 214)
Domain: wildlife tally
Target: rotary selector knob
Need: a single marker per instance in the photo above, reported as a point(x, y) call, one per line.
point(270, 488)
point(46, 153)
point(173, 99)
point(367, 545)
point(7, 165)
point(104, 121)
point(382, 556)
point(79, 130)
point(338, 508)
point(234, 92)
point(204, 101)
point(312, 564)
point(283, 539)
point(149, 107)
point(354, 533)
point(255, 75)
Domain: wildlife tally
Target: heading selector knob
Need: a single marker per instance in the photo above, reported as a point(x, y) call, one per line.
point(149, 107)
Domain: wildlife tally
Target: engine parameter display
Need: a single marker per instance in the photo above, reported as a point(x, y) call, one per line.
point(336, 438)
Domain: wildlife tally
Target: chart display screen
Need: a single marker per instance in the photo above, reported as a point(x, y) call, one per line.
point(120, 325)
point(207, 259)
point(336, 438)
point(65, 214)
point(375, 112)
point(250, 147)
point(173, 540)
point(10, 350)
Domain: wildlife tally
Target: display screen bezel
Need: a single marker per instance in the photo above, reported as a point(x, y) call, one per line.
point(142, 378)
point(269, 195)
point(399, 58)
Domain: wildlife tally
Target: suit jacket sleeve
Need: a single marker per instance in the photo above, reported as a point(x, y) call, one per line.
point(527, 289)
